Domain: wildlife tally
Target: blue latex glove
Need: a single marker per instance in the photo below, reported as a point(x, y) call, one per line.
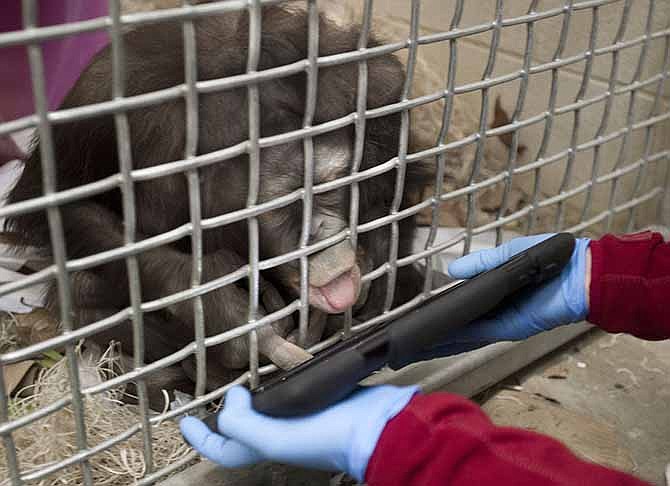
point(340, 438)
point(559, 301)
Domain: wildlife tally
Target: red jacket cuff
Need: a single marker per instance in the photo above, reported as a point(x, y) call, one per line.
point(630, 285)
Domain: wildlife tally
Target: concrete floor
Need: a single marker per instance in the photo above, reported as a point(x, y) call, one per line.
point(605, 396)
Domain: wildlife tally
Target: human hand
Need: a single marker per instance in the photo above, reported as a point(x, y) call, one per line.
point(340, 438)
point(562, 300)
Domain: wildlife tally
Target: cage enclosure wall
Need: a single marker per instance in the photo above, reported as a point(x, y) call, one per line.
point(216, 191)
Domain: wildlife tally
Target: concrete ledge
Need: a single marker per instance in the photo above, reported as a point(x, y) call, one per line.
point(266, 474)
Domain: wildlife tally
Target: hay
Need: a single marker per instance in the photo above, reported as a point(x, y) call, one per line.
point(9, 339)
point(53, 438)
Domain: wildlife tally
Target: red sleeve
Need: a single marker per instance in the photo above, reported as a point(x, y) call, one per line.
point(441, 439)
point(630, 285)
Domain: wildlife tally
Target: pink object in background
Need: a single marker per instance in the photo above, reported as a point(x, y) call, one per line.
point(64, 58)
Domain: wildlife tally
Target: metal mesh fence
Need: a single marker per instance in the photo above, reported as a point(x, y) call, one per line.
point(627, 206)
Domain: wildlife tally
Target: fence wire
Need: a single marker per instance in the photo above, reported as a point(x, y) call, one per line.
point(651, 174)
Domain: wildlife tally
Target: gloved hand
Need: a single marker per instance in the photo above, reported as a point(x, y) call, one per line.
point(559, 301)
point(340, 438)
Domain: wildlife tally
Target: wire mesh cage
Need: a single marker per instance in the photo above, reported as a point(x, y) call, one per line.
point(523, 117)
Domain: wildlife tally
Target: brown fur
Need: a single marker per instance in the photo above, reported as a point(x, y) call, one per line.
point(86, 151)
